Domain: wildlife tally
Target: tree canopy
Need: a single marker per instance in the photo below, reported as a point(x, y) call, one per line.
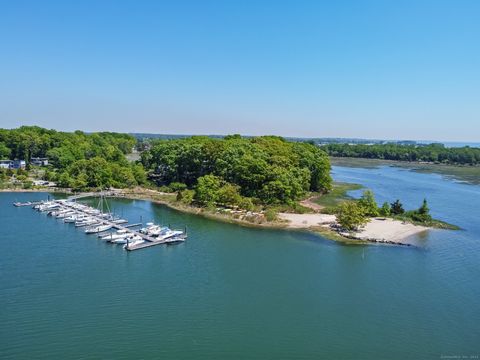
point(436, 153)
point(79, 160)
point(267, 168)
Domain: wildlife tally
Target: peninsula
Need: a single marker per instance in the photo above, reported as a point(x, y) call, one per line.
point(262, 181)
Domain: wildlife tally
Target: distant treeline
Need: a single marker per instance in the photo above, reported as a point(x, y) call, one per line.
point(436, 153)
point(77, 159)
point(238, 171)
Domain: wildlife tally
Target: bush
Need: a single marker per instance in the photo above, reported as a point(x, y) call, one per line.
point(28, 185)
point(21, 171)
point(186, 196)
point(177, 186)
point(165, 189)
point(246, 204)
point(271, 215)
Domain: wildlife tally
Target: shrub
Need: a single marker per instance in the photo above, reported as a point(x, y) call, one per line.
point(177, 186)
point(185, 196)
point(28, 185)
point(270, 215)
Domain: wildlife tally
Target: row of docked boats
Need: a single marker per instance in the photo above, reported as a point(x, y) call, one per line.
point(96, 221)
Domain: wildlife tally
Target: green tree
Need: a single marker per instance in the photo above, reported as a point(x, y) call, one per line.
point(351, 215)
point(206, 191)
point(268, 168)
point(139, 174)
point(396, 208)
point(367, 201)
point(64, 180)
point(422, 214)
point(424, 210)
point(80, 183)
point(228, 195)
point(4, 151)
point(385, 209)
point(3, 175)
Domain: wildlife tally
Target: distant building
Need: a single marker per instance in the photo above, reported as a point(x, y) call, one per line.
point(37, 161)
point(12, 164)
point(6, 164)
point(19, 164)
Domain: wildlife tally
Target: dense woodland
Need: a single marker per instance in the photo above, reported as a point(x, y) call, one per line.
point(231, 171)
point(77, 159)
point(238, 171)
point(436, 153)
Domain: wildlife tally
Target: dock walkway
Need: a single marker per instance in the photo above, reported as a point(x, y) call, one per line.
point(149, 240)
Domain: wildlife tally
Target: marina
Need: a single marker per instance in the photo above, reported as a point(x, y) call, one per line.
point(96, 221)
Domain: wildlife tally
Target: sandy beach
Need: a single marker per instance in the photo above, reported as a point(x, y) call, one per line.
point(383, 230)
point(377, 230)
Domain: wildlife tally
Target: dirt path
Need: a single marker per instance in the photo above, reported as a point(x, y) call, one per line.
point(311, 205)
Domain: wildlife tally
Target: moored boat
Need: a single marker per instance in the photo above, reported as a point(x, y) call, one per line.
point(98, 228)
point(120, 234)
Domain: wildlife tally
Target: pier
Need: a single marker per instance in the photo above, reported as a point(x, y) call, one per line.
point(70, 204)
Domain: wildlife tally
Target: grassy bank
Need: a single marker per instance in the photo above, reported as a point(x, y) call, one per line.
point(433, 223)
point(338, 194)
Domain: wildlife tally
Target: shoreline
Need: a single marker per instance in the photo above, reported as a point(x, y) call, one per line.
point(377, 231)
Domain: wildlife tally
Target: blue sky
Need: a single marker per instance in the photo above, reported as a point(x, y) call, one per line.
point(371, 69)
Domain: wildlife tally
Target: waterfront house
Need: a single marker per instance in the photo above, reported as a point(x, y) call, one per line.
point(18, 164)
point(12, 164)
point(6, 164)
point(38, 161)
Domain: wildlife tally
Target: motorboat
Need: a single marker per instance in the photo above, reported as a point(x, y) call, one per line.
point(128, 239)
point(119, 221)
point(87, 222)
point(74, 217)
point(65, 214)
point(48, 206)
point(98, 228)
point(154, 230)
point(148, 227)
point(120, 234)
point(169, 234)
point(134, 241)
point(174, 240)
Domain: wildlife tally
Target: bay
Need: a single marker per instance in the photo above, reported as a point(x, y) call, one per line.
point(233, 292)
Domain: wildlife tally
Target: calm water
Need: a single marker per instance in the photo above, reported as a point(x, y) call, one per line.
point(231, 292)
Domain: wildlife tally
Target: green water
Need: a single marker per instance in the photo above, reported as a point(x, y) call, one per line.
point(231, 292)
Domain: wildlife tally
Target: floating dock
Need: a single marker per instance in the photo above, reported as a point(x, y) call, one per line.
point(149, 241)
